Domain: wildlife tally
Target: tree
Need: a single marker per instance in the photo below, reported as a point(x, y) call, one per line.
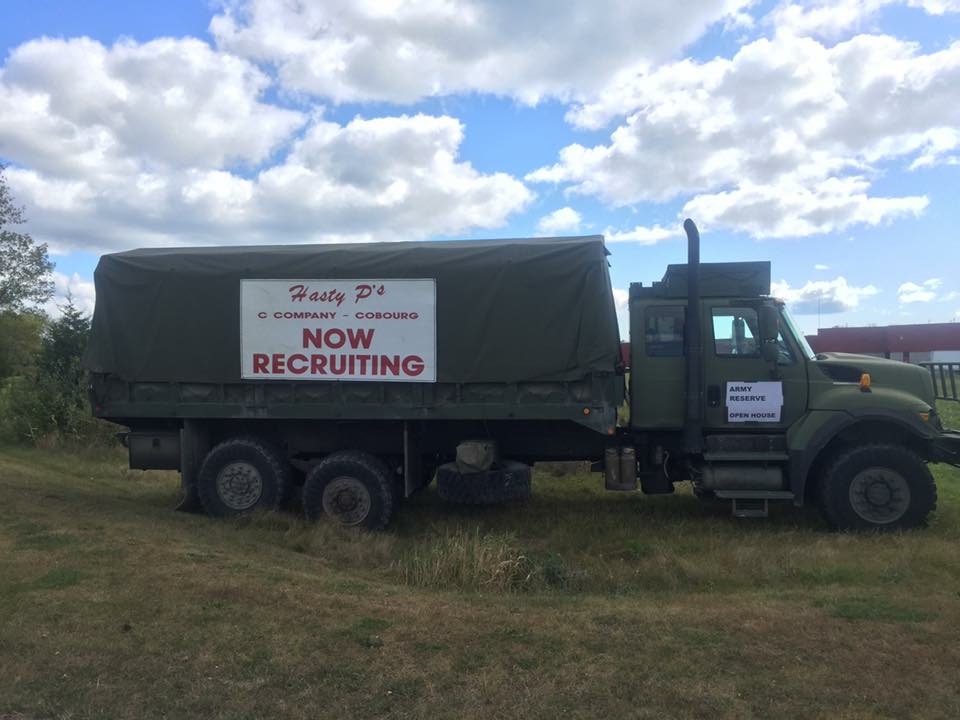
point(52, 401)
point(64, 343)
point(24, 265)
point(20, 342)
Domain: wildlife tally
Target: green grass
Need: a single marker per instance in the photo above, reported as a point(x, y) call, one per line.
point(579, 603)
point(950, 413)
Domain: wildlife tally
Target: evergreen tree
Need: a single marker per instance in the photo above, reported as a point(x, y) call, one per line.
point(63, 345)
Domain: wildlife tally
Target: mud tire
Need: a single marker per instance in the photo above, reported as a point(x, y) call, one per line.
point(353, 488)
point(877, 487)
point(261, 478)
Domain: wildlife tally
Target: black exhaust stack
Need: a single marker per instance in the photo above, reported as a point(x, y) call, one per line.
point(693, 418)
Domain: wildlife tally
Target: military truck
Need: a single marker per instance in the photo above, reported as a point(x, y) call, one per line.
point(361, 372)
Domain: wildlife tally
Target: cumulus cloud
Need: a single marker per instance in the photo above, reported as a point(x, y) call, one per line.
point(910, 292)
point(72, 107)
point(783, 139)
point(823, 296)
point(177, 141)
point(792, 209)
point(641, 234)
point(830, 18)
point(565, 219)
point(77, 288)
point(821, 266)
point(405, 51)
point(171, 142)
point(621, 299)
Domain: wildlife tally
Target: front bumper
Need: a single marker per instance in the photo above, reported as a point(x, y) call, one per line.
point(946, 448)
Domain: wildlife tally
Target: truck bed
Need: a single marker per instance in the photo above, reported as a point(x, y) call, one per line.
point(524, 329)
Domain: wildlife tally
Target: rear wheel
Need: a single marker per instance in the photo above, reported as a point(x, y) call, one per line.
point(877, 487)
point(354, 488)
point(241, 475)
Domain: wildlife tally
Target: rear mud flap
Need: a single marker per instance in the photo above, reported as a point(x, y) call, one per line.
point(189, 500)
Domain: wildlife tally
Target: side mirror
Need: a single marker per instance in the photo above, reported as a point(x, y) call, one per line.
point(769, 319)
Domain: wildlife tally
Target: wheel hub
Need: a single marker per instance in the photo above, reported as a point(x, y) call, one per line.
point(239, 485)
point(346, 499)
point(879, 495)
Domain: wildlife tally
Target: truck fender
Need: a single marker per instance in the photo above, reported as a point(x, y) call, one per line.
point(803, 458)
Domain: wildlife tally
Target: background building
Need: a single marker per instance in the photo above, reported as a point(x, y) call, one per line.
point(932, 342)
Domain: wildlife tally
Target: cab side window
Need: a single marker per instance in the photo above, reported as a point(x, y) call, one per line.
point(735, 332)
point(663, 330)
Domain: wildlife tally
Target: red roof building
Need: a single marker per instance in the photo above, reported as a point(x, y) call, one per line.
point(906, 342)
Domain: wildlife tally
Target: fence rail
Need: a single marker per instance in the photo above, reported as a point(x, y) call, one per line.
point(945, 379)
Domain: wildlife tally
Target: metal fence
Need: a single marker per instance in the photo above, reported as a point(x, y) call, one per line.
point(945, 379)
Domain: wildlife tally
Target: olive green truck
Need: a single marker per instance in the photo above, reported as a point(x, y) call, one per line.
point(361, 372)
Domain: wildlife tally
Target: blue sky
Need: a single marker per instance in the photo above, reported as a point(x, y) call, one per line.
point(824, 137)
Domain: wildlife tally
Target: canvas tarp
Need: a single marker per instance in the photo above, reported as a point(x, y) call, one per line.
point(521, 310)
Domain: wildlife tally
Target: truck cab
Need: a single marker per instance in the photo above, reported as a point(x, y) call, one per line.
point(734, 399)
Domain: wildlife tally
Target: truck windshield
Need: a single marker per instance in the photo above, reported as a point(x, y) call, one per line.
point(797, 335)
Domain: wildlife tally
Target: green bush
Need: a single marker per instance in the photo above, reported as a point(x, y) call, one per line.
point(48, 403)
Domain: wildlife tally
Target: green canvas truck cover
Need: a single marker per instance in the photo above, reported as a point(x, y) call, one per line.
point(523, 310)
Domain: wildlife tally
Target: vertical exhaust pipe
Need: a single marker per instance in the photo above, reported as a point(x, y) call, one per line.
point(693, 418)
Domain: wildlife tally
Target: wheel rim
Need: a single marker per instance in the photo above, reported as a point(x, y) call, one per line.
point(346, 499)
point(880, 495)
point(239, 485)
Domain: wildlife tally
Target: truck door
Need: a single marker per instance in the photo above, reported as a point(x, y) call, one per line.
point(743, 391)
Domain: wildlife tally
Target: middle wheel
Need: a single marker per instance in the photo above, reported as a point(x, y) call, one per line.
point(354, 488)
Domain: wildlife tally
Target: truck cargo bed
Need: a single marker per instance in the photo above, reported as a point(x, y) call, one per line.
point(523, 329)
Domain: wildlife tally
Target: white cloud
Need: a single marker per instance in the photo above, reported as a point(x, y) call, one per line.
point(566, 219)
point(72, 107)
point(792, 209)
point(783, 139)
point(170, 142)
point(910, 292)
point(823, 296)
point(404, 51)
point(830, 18)
point(79, 289)
point(621, 299)
point(642, 234)
point(821, 266)
point(952, 295)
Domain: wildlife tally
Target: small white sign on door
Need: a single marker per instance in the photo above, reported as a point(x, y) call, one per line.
point(754, 401)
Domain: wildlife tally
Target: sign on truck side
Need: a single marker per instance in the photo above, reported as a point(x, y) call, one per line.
point(383, 330)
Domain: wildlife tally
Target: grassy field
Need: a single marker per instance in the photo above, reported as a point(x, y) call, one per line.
point(578, 604)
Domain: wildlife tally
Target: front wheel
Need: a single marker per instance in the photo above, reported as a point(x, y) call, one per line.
point(877, 487)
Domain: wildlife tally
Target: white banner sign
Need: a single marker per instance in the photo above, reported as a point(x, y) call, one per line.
point(754, 402)
point(374, 330)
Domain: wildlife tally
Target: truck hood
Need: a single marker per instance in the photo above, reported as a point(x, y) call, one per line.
point(847, 367)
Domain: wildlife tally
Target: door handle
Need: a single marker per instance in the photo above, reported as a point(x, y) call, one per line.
point(713, 395)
